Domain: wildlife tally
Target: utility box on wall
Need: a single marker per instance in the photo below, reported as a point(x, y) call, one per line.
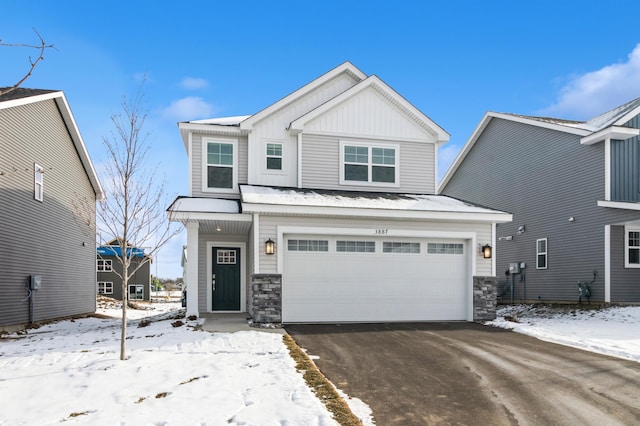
point(514, 268)
point(35, 282)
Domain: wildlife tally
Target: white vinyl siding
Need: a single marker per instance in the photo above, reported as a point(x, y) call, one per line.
point(632, 247)
point(541, 253)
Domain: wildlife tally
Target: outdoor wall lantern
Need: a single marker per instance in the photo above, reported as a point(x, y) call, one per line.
point(269, 246)
point(486, 251)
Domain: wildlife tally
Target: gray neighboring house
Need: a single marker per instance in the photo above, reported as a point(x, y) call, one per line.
point(48, 193)
point(109, 271)
point(574, 191)
point(321, 208)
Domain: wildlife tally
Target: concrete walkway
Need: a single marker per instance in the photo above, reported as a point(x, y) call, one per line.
point(230, 323)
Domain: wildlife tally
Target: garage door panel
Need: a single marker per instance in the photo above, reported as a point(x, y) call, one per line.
point(372, 287)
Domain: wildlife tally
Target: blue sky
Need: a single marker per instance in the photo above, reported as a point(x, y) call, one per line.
point(453, 60)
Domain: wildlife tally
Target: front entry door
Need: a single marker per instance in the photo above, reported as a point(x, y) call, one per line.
point(225, 282)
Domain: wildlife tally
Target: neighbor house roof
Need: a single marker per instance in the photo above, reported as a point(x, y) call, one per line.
point(24, 96)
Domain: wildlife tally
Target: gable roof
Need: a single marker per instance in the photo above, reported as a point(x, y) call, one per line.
point(607, 125)
point(24, 96)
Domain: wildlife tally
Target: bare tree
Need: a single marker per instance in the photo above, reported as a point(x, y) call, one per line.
point(33, 63)
point(133, 212)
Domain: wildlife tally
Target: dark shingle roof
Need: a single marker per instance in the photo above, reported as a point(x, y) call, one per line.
point(20, 93)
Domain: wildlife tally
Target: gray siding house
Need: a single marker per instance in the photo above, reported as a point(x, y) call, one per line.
point(321, 208)
point(48, 193)
point(573, 190)
point(109, 271)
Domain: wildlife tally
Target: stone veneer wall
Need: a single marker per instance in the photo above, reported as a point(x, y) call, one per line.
point(266, 300)
point(485, 290)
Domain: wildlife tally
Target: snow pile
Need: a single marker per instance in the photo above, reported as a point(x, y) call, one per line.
point(70, 371)
point(613, 330)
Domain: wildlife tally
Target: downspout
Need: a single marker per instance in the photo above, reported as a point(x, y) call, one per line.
point(607, 169)
point(189, 157)
point(607, 263)
point(299, 160)
point(495, 252)
point(256, 243)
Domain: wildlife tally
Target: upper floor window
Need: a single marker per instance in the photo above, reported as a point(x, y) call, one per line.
point(541, 253)
point(104, 265)
point(38, 182)
point(220, 165)
point(632, 248)
point(274, 156)
point(369, 164)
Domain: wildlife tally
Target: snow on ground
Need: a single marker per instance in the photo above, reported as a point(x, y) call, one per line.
point(69, 371)
point(613, 330)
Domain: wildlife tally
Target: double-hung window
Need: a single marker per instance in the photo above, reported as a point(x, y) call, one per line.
point(541, 253)
point(104, 265)
point(220, 165)
point(38, 182)
point(105, 287)
point(274, 156)
point(369, 164)
point(632, 248)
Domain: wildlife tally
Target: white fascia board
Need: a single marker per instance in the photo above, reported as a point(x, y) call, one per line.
point(217, 128)
point(492, 217)
point(30, 99)
point(619, 205)
point(344, 67)
point(628, 116)
point(546, 125)
point(613, 132)
point(298, 124)
point(178, 216)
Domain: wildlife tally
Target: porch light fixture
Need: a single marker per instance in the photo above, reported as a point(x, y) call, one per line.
point(269, 246)
point(486, 251)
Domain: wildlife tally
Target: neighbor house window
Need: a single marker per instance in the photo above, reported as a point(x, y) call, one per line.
point(104, 265)
point(274, 156)
point(445, 248)
point(541, 253)
point(632, 248)
point(400, 247)
point(308, 245)
point(220, 160)
point(38, 182)
point(369, 164)
point(105, 287)
point(136, 292)
point(356, 246)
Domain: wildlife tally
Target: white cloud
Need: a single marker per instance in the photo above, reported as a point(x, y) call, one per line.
point(193, 83)
point(593, 93)
point(189, 108)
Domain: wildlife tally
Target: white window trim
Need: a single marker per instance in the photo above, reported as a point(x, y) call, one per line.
point(105, 282)
point(370, 145)
point(204, 174)
point(545, 253)
point(135, 285)
point(104, 263)
point(628, 229)
point(284, 155)
point(38, 182)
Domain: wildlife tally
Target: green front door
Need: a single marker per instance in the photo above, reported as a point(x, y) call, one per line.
point(225, 282)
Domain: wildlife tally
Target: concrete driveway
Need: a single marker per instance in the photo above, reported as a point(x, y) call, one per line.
point(469, 374)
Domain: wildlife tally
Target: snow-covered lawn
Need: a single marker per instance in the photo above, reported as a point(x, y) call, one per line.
point(70, 372)
point(611, 331)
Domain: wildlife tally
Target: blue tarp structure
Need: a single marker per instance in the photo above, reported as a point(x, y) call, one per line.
point(117, 251)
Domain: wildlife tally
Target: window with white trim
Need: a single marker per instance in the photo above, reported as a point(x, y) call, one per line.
point(400, 247)
point(226, 257)
point(541, 253)
point(355, 246)
point(632, 247)
point(445, 248)
point(308, 245)
point(369, 164)
point(136, 292)
point(104, 265)
point(220, 165)
point(105, 287)
point(38, 182)
point(274, 156)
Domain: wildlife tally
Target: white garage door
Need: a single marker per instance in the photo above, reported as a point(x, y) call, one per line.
point(347, 279)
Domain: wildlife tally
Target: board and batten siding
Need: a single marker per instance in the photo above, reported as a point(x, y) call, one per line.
point(543, 177)
point(198, 173)
point(321, 165)
point(44, 238)
point(269, 225)
point(625, 167)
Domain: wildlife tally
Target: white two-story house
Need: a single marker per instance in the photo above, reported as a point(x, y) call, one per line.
point(322, 208)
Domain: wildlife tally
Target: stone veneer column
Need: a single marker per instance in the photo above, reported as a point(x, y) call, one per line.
point(266, 303)
point(485, 290)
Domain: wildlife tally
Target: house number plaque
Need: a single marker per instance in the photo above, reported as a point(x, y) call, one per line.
point(382, 231)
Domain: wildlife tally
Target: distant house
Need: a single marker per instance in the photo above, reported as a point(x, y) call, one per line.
point(48, 193)
point(574, 191)
point(322, 208)
point(109, 270)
